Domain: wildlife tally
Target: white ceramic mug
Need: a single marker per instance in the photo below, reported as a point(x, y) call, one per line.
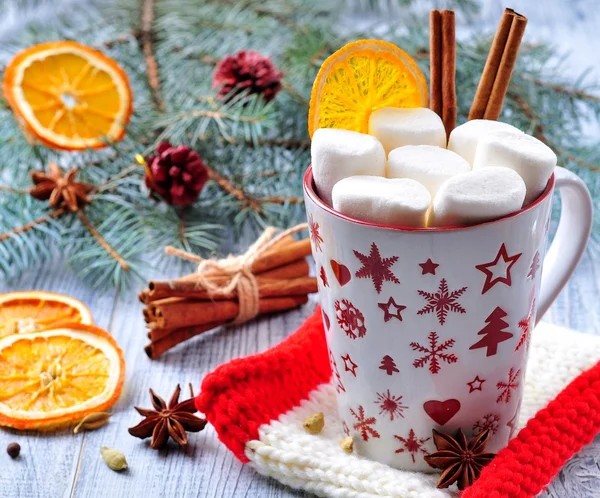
point(429, 328)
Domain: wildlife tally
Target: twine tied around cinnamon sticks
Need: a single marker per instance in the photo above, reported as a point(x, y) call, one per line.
point(234, 275)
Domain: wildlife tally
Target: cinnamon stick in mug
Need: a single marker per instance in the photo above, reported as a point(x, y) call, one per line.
point(435, 62)
point(493, 84)
point(442, 42)
point(448, 70)
point(507, 64)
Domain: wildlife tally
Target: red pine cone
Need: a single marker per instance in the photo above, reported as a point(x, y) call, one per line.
point(177, 174)
point(247, 71)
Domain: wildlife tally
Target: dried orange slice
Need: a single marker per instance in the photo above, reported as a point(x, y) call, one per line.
point(360, 78)
point(68, 95)
point(30, 311)
point(58, 376)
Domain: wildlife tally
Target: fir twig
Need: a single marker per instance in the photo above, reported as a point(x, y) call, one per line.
point(231, 189)
point(105, 245)
point(538, 128)
point(282, 200)
point(293, 92)
point(147, 39)
point(113, 182)
point(32, 224)
point(117, 40)
point(573, 93)
point(6, 188)
point(263, 11)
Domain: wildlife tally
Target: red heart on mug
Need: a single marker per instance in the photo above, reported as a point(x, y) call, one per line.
point(341, 272)
point(325, 320)
point(441, 411)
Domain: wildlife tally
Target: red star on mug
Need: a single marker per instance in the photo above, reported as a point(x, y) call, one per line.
point(498, 270)
point(349, 365)
point(475, 384)
point(387, 315)
point(428, 267)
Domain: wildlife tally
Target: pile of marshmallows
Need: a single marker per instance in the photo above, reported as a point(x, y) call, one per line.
point(489, 169)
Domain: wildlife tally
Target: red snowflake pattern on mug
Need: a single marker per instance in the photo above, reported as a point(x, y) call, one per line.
point(350, 319)
point(506, 388)
point(376, 268)
point(315, 236)
point(412, 444)
point(339, 387)
point(364, 424)
point(390, 404)
point(489, 422)
point(434, 353)
point(442, 301)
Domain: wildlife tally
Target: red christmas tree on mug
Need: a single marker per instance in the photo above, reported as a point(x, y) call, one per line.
point(389, 365)
point(493, 333)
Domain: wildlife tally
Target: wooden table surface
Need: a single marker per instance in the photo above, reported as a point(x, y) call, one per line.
point(66, 465)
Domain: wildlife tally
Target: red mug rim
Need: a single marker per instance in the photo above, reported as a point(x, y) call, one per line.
point(309, 190)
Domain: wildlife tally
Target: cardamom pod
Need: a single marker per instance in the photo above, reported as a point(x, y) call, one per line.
point(92, 422)
point(114, 458)
point(315, 423)
point(347, 444)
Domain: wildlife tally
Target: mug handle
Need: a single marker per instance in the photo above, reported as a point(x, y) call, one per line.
point(571, 237)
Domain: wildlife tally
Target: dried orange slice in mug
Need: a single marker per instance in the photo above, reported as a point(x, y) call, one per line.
point(360, 78)
point(56, 377)
point(68, 95)
point(30, 311)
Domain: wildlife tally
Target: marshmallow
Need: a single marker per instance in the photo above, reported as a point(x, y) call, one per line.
point(477, 196)
point(429, 165)
point(337, 154)
point(464, 138)
point(397, 202)
point(395, 127)
point(528, 156)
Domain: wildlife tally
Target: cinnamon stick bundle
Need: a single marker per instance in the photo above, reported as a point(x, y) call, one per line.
point(499, 66)
point(179, 309)
point(442, 41)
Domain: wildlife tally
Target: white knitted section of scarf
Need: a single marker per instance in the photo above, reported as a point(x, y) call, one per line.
point(317, 464)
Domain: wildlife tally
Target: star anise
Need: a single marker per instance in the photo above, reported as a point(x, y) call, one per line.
point(172, 420)
point(460, 460)
point(59, 190)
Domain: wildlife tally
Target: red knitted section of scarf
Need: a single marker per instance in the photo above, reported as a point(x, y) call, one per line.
point(240, 396)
